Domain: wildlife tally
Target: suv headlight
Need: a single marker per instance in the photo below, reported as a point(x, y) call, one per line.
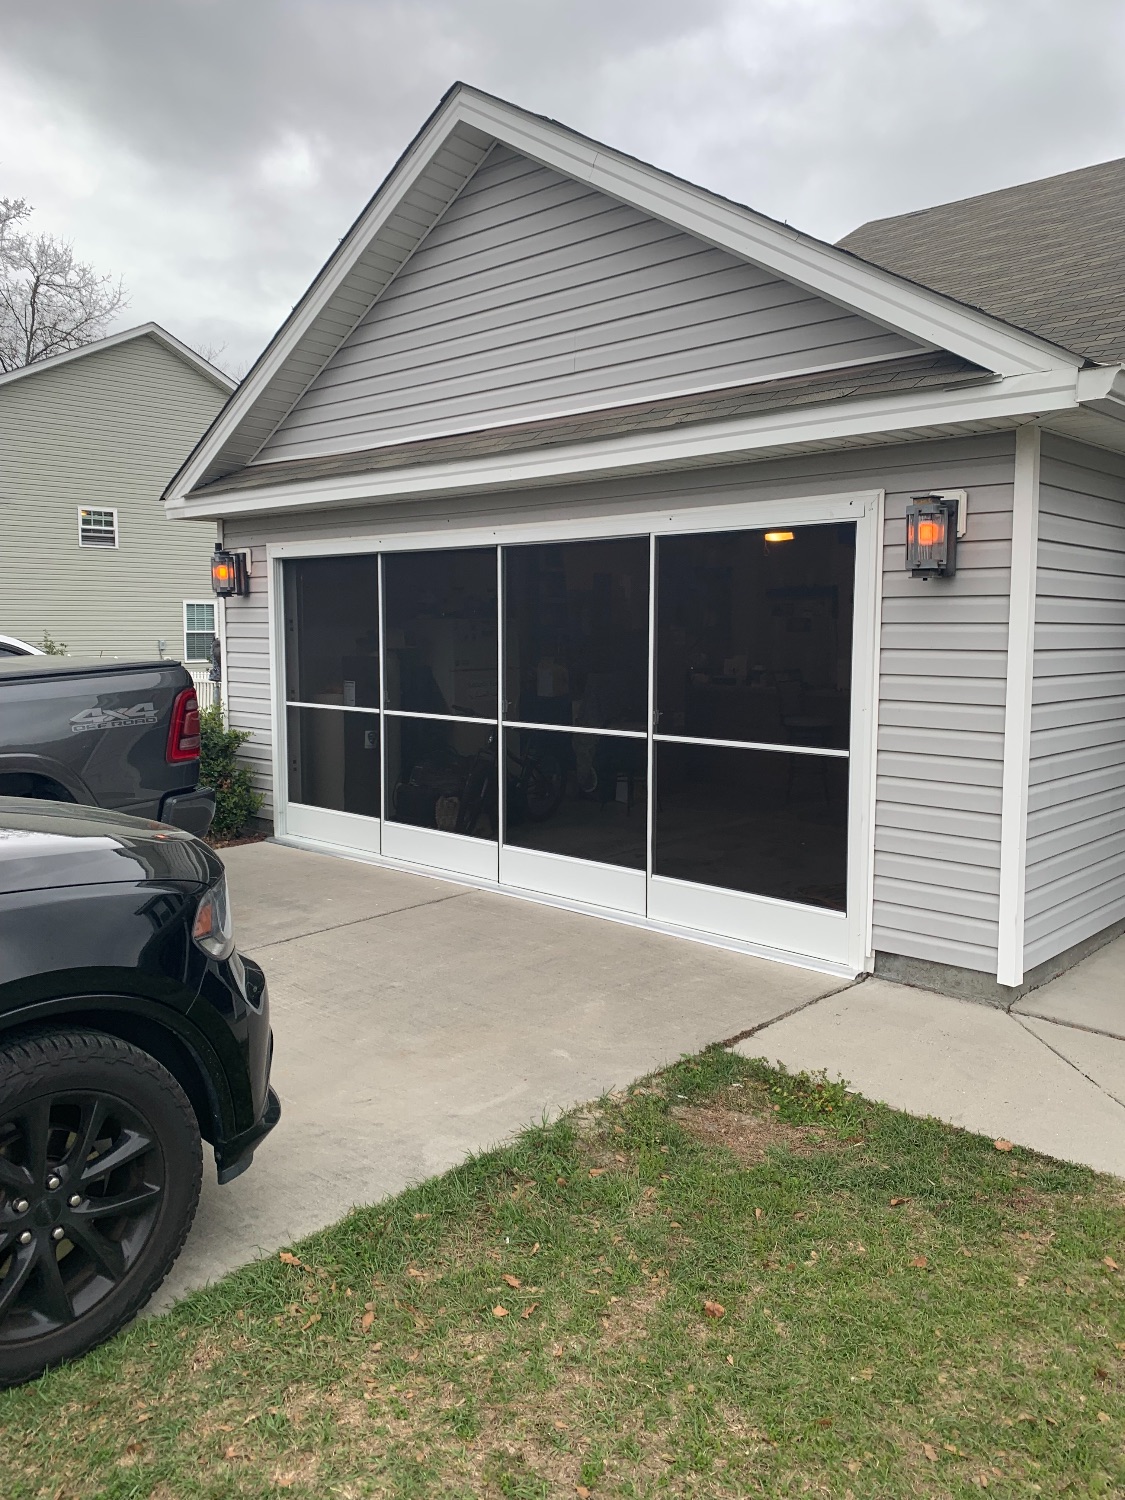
point(213, 929)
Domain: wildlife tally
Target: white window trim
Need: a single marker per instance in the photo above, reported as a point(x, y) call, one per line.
point(213, 604)
point(101, 510)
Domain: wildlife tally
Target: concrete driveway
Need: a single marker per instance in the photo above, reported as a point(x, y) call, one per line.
point(418, 1021)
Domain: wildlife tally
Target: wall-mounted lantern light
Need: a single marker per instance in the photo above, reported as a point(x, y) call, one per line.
point(931, 536)
point(229, 573)
point(779, 536)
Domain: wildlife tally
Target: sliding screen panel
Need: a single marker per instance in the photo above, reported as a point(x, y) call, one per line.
point(754, 636)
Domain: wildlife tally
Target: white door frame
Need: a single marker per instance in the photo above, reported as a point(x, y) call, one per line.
point(830, 941)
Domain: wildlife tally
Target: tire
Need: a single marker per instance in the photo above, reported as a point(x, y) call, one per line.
point(100, 1172)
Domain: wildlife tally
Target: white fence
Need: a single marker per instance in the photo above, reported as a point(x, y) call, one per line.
point(206, 691)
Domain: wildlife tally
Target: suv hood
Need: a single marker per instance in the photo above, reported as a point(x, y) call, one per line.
point(44, 845)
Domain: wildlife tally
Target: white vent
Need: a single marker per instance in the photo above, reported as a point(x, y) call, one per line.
point(97, 528)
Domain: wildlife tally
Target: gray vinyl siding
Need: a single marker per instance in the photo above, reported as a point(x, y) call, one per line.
point(942, 659)
point(536, 295)
point(106, 430)
point(1076, 794)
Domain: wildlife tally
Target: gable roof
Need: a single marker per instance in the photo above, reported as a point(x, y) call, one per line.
point(99, 346)
point(433, 170)
point(1048, 256)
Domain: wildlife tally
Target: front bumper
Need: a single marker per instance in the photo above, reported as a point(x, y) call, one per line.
point(192, 810)
point(234, 1156)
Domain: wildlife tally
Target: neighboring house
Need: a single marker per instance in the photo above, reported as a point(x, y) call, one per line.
point(87, 441)
point(560, 442)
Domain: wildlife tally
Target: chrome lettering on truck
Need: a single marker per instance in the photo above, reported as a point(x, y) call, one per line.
point(114, 718)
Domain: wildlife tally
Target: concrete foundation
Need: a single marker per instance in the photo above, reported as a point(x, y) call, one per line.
point(971, 984)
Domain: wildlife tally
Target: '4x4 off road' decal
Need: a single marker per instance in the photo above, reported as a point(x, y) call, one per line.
point(114, 718)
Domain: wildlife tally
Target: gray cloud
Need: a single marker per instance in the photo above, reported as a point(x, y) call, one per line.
point(213, 151)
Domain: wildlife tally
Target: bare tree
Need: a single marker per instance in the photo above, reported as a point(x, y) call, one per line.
point(216, 354)
point(49, 302)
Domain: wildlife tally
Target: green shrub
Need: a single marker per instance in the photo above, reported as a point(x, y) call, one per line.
point(236, 801)
point(52, 647)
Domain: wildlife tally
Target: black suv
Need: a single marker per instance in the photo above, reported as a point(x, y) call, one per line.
point(130, 1027)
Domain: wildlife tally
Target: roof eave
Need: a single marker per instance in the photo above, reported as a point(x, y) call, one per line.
point(887, 418)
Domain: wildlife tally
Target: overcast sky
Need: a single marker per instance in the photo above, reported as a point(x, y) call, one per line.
point(213, 151)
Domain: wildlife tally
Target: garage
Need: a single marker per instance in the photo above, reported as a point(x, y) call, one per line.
point(573, 527)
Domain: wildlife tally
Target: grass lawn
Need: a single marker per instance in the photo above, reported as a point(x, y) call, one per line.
point(727, 1283)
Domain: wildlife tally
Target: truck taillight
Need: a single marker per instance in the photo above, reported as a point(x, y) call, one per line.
point(183, 736)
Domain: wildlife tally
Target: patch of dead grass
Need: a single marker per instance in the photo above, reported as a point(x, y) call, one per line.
point(747, 1133)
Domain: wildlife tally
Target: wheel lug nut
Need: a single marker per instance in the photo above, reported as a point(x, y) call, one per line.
point(25, 1237)
point(74, 1200)
point(58, 1232)
point(21, 1205)
point(53, 1182)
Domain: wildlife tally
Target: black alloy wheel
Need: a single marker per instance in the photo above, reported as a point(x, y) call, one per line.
point(99, 1177)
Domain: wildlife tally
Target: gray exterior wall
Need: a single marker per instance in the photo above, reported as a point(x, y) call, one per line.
point(107, 430)
point(1076, 795)
point(943, 654)
point(535, 295)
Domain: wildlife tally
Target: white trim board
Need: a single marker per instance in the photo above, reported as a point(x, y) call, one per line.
point(467, 122)
point(1000, 402)
point(1017, 707)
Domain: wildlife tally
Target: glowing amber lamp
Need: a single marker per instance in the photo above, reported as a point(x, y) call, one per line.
point(931, 536)
point(779, 536)
point(228, 573)
point(930, 533)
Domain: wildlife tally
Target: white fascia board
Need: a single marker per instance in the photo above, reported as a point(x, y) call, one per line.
point(99, 346)
point(1024, 396)
point(826, 269)
point(821, 268)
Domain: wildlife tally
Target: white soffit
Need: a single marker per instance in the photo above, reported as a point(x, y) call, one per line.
point(433, 170)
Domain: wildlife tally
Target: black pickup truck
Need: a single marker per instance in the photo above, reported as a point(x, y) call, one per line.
point(122, 735)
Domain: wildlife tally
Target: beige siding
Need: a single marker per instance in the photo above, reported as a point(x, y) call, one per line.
point(942, 660)
point(1076, 797)
point(107, 430)
point(535, 295)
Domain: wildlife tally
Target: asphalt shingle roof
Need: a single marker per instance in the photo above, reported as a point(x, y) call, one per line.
point(1048, 256)
point(935, 369)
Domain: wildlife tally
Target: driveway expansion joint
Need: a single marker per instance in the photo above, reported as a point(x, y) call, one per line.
point(744, 1036)
point(1101, 1088)
point(374, 916)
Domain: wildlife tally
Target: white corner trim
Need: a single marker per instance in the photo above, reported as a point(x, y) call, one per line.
point(998, 401)
point(878, 513)
point(1017, 707)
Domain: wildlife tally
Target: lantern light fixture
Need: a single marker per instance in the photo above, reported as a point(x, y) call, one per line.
point(931, 536)
point(779, 536)
point(229, 573)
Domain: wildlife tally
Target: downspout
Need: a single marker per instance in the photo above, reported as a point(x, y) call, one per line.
point(1017, 707)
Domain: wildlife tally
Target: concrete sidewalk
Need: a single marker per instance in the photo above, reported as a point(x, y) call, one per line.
point(1050, 1074)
